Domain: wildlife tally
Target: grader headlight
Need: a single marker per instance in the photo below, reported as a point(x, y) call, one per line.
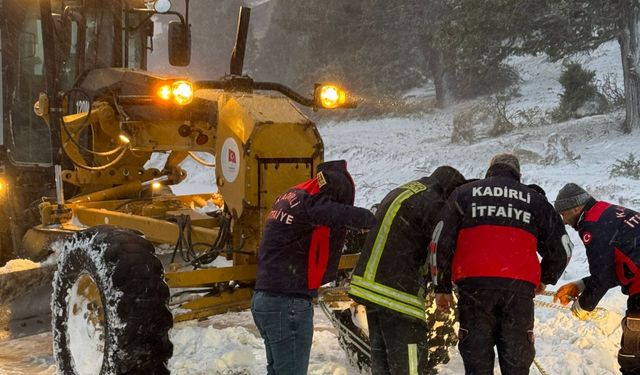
point(331, 96)
point(182, 92)
point(178, 92)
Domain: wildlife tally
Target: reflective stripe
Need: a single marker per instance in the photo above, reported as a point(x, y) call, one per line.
point(381, 239)
point(388, 302)
point(433, 251)
point(398, 295)
point(412, 349)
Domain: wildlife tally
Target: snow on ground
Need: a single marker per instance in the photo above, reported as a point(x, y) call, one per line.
point(231, 344)
point(385, 153)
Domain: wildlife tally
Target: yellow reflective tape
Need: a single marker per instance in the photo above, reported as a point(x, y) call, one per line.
point(398, 295)
point(388, 302)
point(414, 186)
point(412, 350)
point(381, 239)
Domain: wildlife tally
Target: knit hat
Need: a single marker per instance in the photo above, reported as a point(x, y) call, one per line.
point(506, 159)
point(570, 196)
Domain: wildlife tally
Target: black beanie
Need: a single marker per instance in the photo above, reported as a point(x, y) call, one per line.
point(570, 196)
point(448, 178)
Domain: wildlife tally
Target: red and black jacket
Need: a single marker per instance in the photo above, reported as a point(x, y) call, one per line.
point(611, 236)
point(305, 230)
point(491, 233)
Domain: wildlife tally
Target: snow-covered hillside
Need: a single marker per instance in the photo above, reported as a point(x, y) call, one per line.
point(387, 152)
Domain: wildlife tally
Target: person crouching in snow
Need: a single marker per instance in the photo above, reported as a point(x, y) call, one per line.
point(487, 242)
point(300, 250)
point(611, 236)
point(389, 278)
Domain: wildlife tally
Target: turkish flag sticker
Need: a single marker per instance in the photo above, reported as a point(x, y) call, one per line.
point(586, 237)
point(232, 157)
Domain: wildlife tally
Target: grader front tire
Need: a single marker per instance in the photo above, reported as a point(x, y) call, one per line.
point(109, 306)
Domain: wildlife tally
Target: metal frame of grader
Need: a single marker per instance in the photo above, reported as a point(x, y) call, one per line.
point(262, 145)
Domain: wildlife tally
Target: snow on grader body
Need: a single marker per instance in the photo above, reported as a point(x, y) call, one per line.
point(85, 147)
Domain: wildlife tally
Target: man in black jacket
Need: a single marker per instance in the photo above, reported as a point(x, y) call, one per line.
point(299, 251)
point(487, 242)
point(389, 278)
point(611, 236)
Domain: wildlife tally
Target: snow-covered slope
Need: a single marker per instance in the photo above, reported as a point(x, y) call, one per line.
point(387, 152)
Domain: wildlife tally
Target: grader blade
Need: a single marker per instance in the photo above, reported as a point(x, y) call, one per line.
point(25, 302)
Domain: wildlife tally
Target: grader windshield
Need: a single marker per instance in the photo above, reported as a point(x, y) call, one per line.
point(47, 46)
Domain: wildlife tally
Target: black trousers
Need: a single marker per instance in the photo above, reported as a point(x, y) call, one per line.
point(398, 343)
point(499, 318)
point(629, 354)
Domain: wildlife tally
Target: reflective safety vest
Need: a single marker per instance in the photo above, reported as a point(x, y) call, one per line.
point(386, 274)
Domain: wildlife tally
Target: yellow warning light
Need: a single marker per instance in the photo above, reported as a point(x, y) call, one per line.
point(330, 96)
point(164, 92)
point(182, 92)
point(156, 185)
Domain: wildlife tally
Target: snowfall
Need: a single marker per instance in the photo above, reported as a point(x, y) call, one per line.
point(384, 153)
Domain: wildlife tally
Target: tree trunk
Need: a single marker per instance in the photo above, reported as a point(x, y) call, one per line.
point(629, 40)
point(443, 79)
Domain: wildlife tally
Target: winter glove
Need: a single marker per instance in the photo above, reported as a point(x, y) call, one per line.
point(579, 312)
point(569, 292)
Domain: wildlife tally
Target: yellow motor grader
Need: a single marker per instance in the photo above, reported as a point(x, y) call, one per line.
point(82, 119)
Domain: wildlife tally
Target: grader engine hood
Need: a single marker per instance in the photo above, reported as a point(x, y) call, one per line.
point(264, 145)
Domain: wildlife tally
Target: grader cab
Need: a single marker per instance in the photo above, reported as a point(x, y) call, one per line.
point(83, 121)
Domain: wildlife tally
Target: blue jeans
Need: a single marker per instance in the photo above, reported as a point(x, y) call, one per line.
point(286, 325)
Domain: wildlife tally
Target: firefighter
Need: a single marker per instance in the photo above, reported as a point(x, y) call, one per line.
point(389, 277)
point(299, 251)
point(487, 243)
point(611, 236)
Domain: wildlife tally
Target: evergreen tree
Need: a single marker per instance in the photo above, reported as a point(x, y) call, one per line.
point(562, 28)
point(566, 27)
point(483, 32)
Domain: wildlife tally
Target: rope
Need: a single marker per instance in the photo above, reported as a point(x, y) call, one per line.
point(539, 367)
point(598, 314)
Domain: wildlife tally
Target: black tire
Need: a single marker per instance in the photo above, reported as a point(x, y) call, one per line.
point(356, 343)
point(130, 305)
point(442, 335)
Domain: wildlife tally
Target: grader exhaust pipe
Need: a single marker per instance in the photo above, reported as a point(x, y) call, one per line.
point(237, 57)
